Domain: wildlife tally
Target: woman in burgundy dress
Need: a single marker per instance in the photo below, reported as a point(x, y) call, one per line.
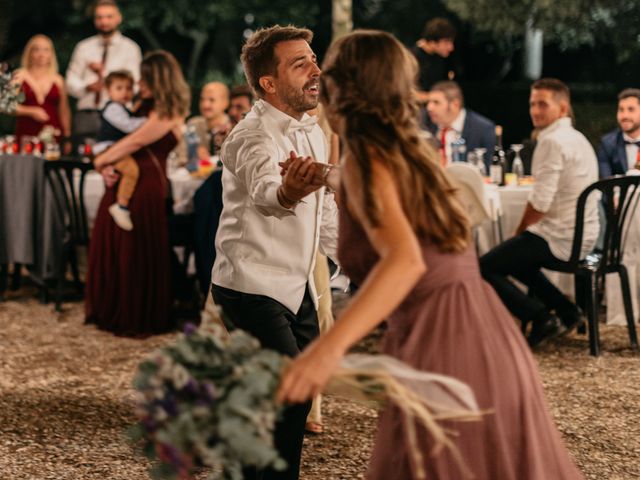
point(45, 97)
point(405, 239)
point(128, 280)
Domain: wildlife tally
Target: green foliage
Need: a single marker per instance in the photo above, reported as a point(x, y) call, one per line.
point(208, 400)
point(569, 23)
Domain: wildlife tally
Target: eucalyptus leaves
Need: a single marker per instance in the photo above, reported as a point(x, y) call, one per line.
point(10, 94)
point(208, 400)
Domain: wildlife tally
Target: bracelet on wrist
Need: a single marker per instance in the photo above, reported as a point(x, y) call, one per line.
point(325, 177)
point(284, 200)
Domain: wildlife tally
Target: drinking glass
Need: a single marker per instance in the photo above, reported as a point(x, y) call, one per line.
point(479, 152)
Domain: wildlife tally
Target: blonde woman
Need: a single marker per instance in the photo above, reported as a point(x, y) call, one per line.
point(45, 96)
point(404, 238)
point(128, 280)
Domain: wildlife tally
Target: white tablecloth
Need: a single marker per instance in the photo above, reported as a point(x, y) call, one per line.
point(509, 202)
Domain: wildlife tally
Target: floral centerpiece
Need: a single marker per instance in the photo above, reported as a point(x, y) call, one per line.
point(10, 94)
point(208, 400)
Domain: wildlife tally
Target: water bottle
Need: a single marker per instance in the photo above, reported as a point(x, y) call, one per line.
point(192, 140)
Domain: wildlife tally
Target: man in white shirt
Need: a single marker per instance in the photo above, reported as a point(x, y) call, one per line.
point(92, 60)
point(271, 225)
point(451, 121)
point(563, 165)
point(619, 150)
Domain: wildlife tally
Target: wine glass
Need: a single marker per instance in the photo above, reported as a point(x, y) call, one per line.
point(479, 154)
point(516, 147)
point(517, 166)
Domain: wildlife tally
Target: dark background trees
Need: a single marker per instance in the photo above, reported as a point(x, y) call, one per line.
point(591, 44)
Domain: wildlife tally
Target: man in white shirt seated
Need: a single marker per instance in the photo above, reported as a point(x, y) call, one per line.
point(619, 150)
point(563, 165)
point(453, 121)
point(272, 225)
point(92, 60)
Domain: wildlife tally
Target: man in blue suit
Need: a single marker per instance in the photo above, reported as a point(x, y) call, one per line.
point(618, 150)
point(452, 121)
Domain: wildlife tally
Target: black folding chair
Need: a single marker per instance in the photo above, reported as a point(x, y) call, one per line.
point(66, 179)
point(620, 198)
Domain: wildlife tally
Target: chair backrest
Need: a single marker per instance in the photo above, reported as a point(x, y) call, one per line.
point(471, 184)
point(66, 180)
point(620, 197)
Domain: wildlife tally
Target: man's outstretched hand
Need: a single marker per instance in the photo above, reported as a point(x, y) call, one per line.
point(298, 179)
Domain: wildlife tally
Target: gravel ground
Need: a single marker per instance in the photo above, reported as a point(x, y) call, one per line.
point(65, 401)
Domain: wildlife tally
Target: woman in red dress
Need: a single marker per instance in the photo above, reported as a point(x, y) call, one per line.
point(128, 278)
point(45, 97)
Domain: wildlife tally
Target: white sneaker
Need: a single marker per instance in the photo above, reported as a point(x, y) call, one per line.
point(121, 216)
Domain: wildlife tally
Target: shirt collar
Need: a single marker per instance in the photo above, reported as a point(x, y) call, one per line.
point(281, 119)
point(115, 38)
point(560, 123)
point(458, 123)
point(627, 138)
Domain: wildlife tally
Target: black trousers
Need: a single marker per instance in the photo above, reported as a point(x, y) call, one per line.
point(522, 257)
point(279, 329)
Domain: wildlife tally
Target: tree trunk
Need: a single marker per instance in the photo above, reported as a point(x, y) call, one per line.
point(154, 43)
point(5, 22)
point(200, 38)
point(532, 52)
point(341, 17)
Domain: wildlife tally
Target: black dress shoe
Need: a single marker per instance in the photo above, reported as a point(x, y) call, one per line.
point(572, 320)
point(543, 331)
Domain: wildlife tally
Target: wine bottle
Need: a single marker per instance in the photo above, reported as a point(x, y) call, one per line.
point(498, 160)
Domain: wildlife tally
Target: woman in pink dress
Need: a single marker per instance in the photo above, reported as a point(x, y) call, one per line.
point(45, 97)
point(128, 289)
point(404, 238)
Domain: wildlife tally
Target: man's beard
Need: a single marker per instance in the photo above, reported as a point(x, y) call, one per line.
point(296, 99)
point(634, 128)
point(107, 33)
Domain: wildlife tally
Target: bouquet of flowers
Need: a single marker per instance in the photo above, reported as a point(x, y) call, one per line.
point(208, 400)
point(10, 94)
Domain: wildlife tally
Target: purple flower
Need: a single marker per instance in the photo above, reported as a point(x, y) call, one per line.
point(149, 424)
point(191, 386)
point(209, 391)
point(170, 406)
point(189, 328)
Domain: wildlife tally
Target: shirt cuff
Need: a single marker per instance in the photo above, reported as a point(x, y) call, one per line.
point(540, 205)
point(273, 206)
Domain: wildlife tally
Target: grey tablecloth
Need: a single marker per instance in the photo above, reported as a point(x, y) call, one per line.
point(30, 229)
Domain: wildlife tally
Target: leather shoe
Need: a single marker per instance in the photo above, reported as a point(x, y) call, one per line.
point(571, 321)
point(543, 331)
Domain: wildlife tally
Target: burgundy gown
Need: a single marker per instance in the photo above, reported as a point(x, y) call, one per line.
point(27, 125)
point(128, 280)
point(453, 323)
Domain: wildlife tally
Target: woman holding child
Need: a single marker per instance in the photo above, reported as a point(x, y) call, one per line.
point(128, 280)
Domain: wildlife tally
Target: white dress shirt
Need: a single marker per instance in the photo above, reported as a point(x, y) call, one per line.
point(122, 54)
point(263, 248)
point(631, 150)
point(564, 164)
point(453, 133)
